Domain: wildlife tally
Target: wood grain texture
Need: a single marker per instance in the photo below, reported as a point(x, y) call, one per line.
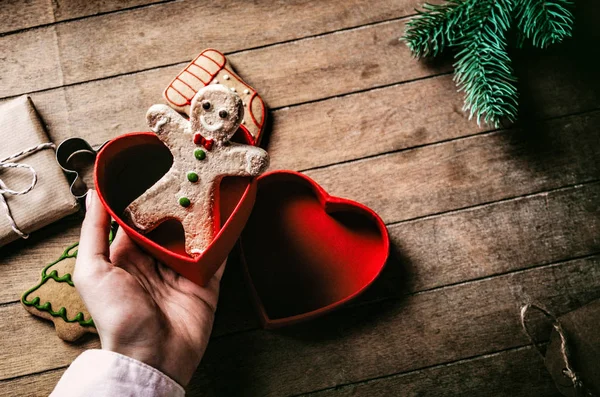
point(43, 247)
point(76, 110)
point(385, 338)
point(145, 38)
point(29, 63)
point(29, 344)
point(393, 336)
point(340, 129)
point(406, 149)
point(470, 171)
point(458, 174)
point(37, 385)
point(19, 14)
point(514, 373)
point(479, 233)
point(466, 245)
point(69, 9)
point(498, 238)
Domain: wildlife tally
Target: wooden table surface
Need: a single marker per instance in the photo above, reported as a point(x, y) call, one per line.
point(481, 220)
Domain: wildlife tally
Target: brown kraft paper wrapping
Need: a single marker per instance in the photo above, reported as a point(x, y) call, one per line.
point(50, 199)
point(581, 328)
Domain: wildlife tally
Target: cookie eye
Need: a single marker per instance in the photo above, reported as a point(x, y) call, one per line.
point(223, 114)
point(205, 105)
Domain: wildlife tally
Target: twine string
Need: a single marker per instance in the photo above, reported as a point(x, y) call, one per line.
point(7, 164)
point(568, 371)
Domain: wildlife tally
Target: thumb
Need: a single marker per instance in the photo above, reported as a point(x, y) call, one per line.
point(93, 253)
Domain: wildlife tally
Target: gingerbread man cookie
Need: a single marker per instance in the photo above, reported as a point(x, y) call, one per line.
point(212, 67)
point(202, 156)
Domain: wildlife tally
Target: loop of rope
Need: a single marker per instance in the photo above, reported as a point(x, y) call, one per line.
point(5, 163)
point(568, 371)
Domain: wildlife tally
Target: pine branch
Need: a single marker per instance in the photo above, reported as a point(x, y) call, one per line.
point(436, 28)
point(483, 68)
point(545, 22)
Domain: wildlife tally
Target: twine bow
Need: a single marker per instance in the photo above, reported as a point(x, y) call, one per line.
point(5, 163)
point(565, 350)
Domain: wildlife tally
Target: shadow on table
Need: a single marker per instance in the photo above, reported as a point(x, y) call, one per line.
point(379, 304)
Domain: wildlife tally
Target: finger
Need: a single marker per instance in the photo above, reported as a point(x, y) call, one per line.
point(93, 253)
point(219, 273)
point(121, 241)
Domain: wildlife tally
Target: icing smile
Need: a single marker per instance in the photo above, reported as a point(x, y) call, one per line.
point(210, 127)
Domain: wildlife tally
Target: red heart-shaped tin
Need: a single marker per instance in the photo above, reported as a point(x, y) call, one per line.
point(305, 252)
point(129, 164)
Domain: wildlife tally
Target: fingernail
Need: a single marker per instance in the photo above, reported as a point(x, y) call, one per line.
point(88, 199)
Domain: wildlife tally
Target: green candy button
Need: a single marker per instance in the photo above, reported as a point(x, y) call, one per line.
point(200, 154)
point(184, 201)
point(192, 176)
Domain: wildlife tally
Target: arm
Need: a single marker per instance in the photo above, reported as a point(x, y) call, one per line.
point(105, 373)
point(154, 325)
point(169, 125)
point(244, 160)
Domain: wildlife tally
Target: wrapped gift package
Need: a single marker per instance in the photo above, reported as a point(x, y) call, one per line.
point(50, 198)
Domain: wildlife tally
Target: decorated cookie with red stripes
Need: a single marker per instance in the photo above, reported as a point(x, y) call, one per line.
point(211, 67)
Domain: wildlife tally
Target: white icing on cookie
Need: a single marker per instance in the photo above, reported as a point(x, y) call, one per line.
point(159, 124)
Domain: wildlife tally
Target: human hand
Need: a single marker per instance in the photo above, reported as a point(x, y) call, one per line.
point(141, 308)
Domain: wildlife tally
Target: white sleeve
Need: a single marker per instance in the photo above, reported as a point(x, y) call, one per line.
point(101, 373)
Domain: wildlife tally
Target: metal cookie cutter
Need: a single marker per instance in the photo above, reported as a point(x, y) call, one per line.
point(77, 157)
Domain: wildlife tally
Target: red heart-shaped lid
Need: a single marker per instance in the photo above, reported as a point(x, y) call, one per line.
point(306, 252)
point(130, 164)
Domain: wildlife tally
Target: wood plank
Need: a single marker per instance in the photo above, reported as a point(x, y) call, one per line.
point(30, 61)
point(514, 373)
point(389, 337)
point(42, 247)
point(393, 336)
point(29, 344)
point(368, 123)
point(70, 9)
point(31, 385)
point(334, 64)
point(461, 246)
point(496, 239)
point(491, 173)
point(126, 98)
point(551, 225)
point(488, 240)
point(353, 126)
point(19, 14)
point(144, 38)
point(470, 171)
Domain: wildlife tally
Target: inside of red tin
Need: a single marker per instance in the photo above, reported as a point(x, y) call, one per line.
point(302, 258)
point(132, 169)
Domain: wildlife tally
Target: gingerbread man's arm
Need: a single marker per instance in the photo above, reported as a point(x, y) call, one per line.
point(244, 160)
point(172, 128)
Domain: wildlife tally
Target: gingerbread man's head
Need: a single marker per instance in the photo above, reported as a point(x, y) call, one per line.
point(216, 112)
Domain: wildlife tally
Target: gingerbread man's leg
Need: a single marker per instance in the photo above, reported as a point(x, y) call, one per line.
point(143, 211)
point(198, 233)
